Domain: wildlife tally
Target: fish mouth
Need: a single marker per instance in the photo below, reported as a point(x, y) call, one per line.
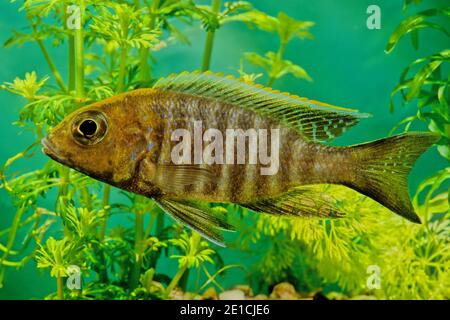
point(50, 150)
point(47, 147)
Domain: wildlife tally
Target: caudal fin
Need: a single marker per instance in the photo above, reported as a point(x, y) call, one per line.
point(383, 166)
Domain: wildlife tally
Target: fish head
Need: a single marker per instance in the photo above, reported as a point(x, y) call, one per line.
point(103, 140)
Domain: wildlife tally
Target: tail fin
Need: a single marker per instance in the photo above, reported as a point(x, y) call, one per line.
point(383, 167)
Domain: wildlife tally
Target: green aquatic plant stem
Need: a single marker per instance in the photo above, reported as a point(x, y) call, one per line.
point(59, 287)
point(181, 271)
point(105, 202)
point(71, 61)
point(124, 24)
point(48, 58)
point(13, 264)
point(160, 223)
point(145, 74)
point(207, 53)
point(280, 54)
point(65, 180)
point(159, 230)
point(270, 81)
point(11, 239)
point(122, 70)
point(50, 63)
point(79, 54)
point(23, 223)
point(5, 249)
point(85, 197)
point(150, 225)
point(138, 250)
point(70, 52)
point(64, 173)
point(25, 153)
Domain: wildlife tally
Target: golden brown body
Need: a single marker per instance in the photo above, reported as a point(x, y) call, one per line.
point(158, 114)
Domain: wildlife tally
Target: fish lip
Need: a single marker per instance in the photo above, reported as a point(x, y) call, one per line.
point(47, 147)
point(50, 150)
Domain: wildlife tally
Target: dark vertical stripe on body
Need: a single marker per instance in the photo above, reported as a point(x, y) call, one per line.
point(286, 160)
point(228, 122)
point(220, 121)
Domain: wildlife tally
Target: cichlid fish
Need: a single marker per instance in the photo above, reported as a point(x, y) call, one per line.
point(127, 141)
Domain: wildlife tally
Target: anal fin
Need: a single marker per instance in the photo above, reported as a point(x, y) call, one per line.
point(304, 201)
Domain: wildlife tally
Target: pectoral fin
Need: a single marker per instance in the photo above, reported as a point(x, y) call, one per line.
point(197, 216)
point(305, 201)
point(172, 178)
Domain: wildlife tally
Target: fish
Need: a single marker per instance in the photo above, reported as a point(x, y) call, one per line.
point(127, 141)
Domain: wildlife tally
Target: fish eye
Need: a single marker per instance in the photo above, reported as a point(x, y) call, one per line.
point(89, 127)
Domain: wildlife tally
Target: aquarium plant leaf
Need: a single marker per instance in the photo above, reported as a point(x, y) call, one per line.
point(407, 3)
point(289, 28)
point(421, 78)
point(276, 67)
point(235, 6)
point(286, 27)
point(316, 120)
point(415, 39)
point(257, 18)
point(57, 255)
point(429, 187)
point(124, 27)
point(41, 8)
point(27, 87)
point(194, 252)
point(416, 22)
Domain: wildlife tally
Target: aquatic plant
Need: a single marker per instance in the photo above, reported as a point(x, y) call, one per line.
point(287, 29)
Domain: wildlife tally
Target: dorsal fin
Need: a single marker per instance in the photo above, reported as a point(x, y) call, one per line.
point(316, 120)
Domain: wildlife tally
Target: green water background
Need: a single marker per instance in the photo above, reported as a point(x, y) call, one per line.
point(346, 61)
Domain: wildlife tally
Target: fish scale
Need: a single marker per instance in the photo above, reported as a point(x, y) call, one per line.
point(231, 178)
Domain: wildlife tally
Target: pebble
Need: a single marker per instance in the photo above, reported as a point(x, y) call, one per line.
point(234, 294)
